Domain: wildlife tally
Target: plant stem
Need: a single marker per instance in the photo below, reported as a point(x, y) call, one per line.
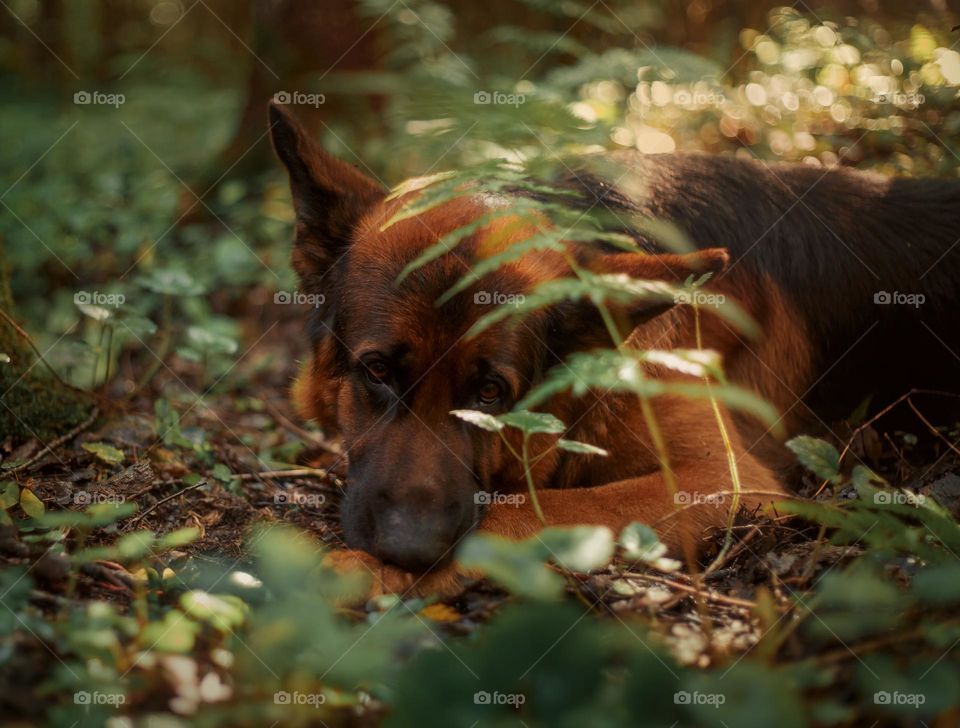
point(727, 446)
point(96, 360)
point(166, 324)
point(529, 477)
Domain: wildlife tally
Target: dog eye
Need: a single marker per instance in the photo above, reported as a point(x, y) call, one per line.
point(489, 393)
point(377, 372)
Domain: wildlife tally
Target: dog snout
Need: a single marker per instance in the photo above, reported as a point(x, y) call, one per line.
point(418, 530)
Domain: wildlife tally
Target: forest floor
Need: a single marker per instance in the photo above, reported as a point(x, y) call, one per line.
point(236, 458)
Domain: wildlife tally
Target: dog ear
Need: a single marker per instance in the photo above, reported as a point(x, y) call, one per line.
point(329, 196)
point(666, 267)
point(578, 326)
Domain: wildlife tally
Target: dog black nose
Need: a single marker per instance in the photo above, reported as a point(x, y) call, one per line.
point(416, 537)
point(416, 556)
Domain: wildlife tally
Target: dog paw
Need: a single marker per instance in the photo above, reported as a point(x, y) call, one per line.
point(387, 579)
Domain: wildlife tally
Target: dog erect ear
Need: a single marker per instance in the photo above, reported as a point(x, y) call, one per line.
point(580, 326)
point(329, 196)
point(667, 267)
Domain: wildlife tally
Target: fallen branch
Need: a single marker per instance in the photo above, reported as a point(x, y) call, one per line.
point(292, 473)
point(137, 517)
point(56, 443)
point(709, 595)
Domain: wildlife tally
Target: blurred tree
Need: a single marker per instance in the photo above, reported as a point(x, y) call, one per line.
point(294, 44)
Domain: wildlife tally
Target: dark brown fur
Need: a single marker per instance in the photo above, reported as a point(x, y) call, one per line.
point(803, 251)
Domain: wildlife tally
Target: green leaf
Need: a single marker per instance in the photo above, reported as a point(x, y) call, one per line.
point(107, 453)
point(288, 558)
point(9, 494)
point(415, 184)
point(580, 447)
point(517, 565)
point(578, 548)
point(856, 603)
point(223, 612)
point(480, 419)
point(623, 371)
point(30, 504)
point(222, 473)
point(208, 340)
point(938, 584)
point(135, 545)
point(97, 313)
point(641, 543)
point(740, 696)
point(531, 423)
point(140, 326)
point(606, 288)
point(175, 633)
point(695, 362)
point(179, 537)
point(103, 514)
point(171, 282)
point(818, 456)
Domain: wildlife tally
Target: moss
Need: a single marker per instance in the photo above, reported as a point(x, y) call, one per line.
point(32, 403)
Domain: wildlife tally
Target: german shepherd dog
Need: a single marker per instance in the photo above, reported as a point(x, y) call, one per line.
point(852, 277)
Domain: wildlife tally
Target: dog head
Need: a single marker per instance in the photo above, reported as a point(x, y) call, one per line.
point(388, 364)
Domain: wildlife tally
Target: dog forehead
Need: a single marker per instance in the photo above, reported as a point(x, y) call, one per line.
point(380, 307)
point(377, 266)
point(387, 239)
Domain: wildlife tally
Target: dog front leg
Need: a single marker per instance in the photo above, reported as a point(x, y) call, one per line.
point(703, 500)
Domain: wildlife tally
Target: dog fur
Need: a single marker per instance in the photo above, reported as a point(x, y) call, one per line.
point(804, 251)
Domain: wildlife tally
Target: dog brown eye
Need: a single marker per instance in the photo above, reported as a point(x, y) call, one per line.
point(377, 372)
point(489, 393)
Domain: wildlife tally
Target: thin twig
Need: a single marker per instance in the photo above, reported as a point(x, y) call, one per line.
point(930, 427)
point(724, 559)
point(56, 443)
point(860, 428)
point(160, 502)
point(303, 434)
point(293, 473)
point(703, 593)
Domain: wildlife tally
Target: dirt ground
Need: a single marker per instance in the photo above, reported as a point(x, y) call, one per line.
point(228, 482)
